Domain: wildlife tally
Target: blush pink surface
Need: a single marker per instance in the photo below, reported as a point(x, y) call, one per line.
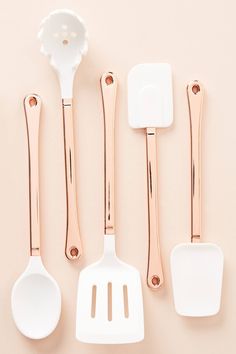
point(197, 39)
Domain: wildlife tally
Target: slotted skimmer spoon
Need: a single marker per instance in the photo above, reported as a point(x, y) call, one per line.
point(64, 41)
point(36, 297)
point(197, 268)
point(109, 302)
point(150, 106)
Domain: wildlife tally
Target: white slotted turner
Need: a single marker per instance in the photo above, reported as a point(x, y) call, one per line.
point(109, 302)
point(196, 267)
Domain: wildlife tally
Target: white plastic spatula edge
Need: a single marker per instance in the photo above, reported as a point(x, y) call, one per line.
point(197, 275)
point(150, 97)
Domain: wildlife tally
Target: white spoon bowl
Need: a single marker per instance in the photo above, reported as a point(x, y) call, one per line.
point(36, 297)
point(36, 301)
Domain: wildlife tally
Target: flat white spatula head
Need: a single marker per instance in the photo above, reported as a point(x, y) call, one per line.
point(109, 302)
point(150, 103)
point(197, 272)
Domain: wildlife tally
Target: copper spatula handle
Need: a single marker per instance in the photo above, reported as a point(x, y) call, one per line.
point(109, 88)
point(195, 94)
point(155, 276)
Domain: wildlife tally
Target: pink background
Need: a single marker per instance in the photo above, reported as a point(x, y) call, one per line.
point(198, 39)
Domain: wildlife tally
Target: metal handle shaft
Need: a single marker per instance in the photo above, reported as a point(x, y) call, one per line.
point(195, 100)
point(109, 89)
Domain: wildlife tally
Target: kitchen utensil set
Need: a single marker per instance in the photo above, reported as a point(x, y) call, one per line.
point(109, 299)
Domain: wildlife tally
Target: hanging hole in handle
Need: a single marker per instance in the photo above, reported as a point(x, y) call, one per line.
point(196, 89)
point(156, 280)
point(109, 80)
point(74, 252)
point(33, 101)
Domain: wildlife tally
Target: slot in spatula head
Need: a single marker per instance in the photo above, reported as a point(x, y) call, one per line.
point(150, 102)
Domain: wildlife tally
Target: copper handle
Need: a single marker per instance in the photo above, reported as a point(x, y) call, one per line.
point(195, 100)
point(154, 272)
point(109, 89)
point(32, 107)
point(73, 246)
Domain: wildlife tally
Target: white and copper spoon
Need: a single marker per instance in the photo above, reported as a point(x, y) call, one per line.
point(36, 297)
point(64, 41)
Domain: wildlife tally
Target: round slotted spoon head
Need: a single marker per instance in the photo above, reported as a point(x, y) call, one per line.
point(63, 39)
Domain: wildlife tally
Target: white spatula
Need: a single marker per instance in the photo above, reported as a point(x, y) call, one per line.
point(109, 303)
point(150, 106)
point(197, 268)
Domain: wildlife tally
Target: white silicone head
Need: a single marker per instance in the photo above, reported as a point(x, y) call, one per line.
point(64, 40)
point(36, 301)
point(122, 326)
point(197, 271)
point(150, 96)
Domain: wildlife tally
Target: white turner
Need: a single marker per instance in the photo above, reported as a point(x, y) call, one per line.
point(150, 106)
point(109, 303)
point(197, 268)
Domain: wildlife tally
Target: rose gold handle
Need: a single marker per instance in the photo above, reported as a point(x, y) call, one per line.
point(195, 100)
point(154, 272)
point(109, 88)
point(73, 246)
point(32, 107)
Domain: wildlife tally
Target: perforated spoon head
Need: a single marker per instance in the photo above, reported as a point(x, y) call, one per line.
point(63, 39)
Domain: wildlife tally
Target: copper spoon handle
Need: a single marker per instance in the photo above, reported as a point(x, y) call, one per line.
point(155, 276)
point(195, 94)
point(73, 246)
point(32, 107)
point(109, 89)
